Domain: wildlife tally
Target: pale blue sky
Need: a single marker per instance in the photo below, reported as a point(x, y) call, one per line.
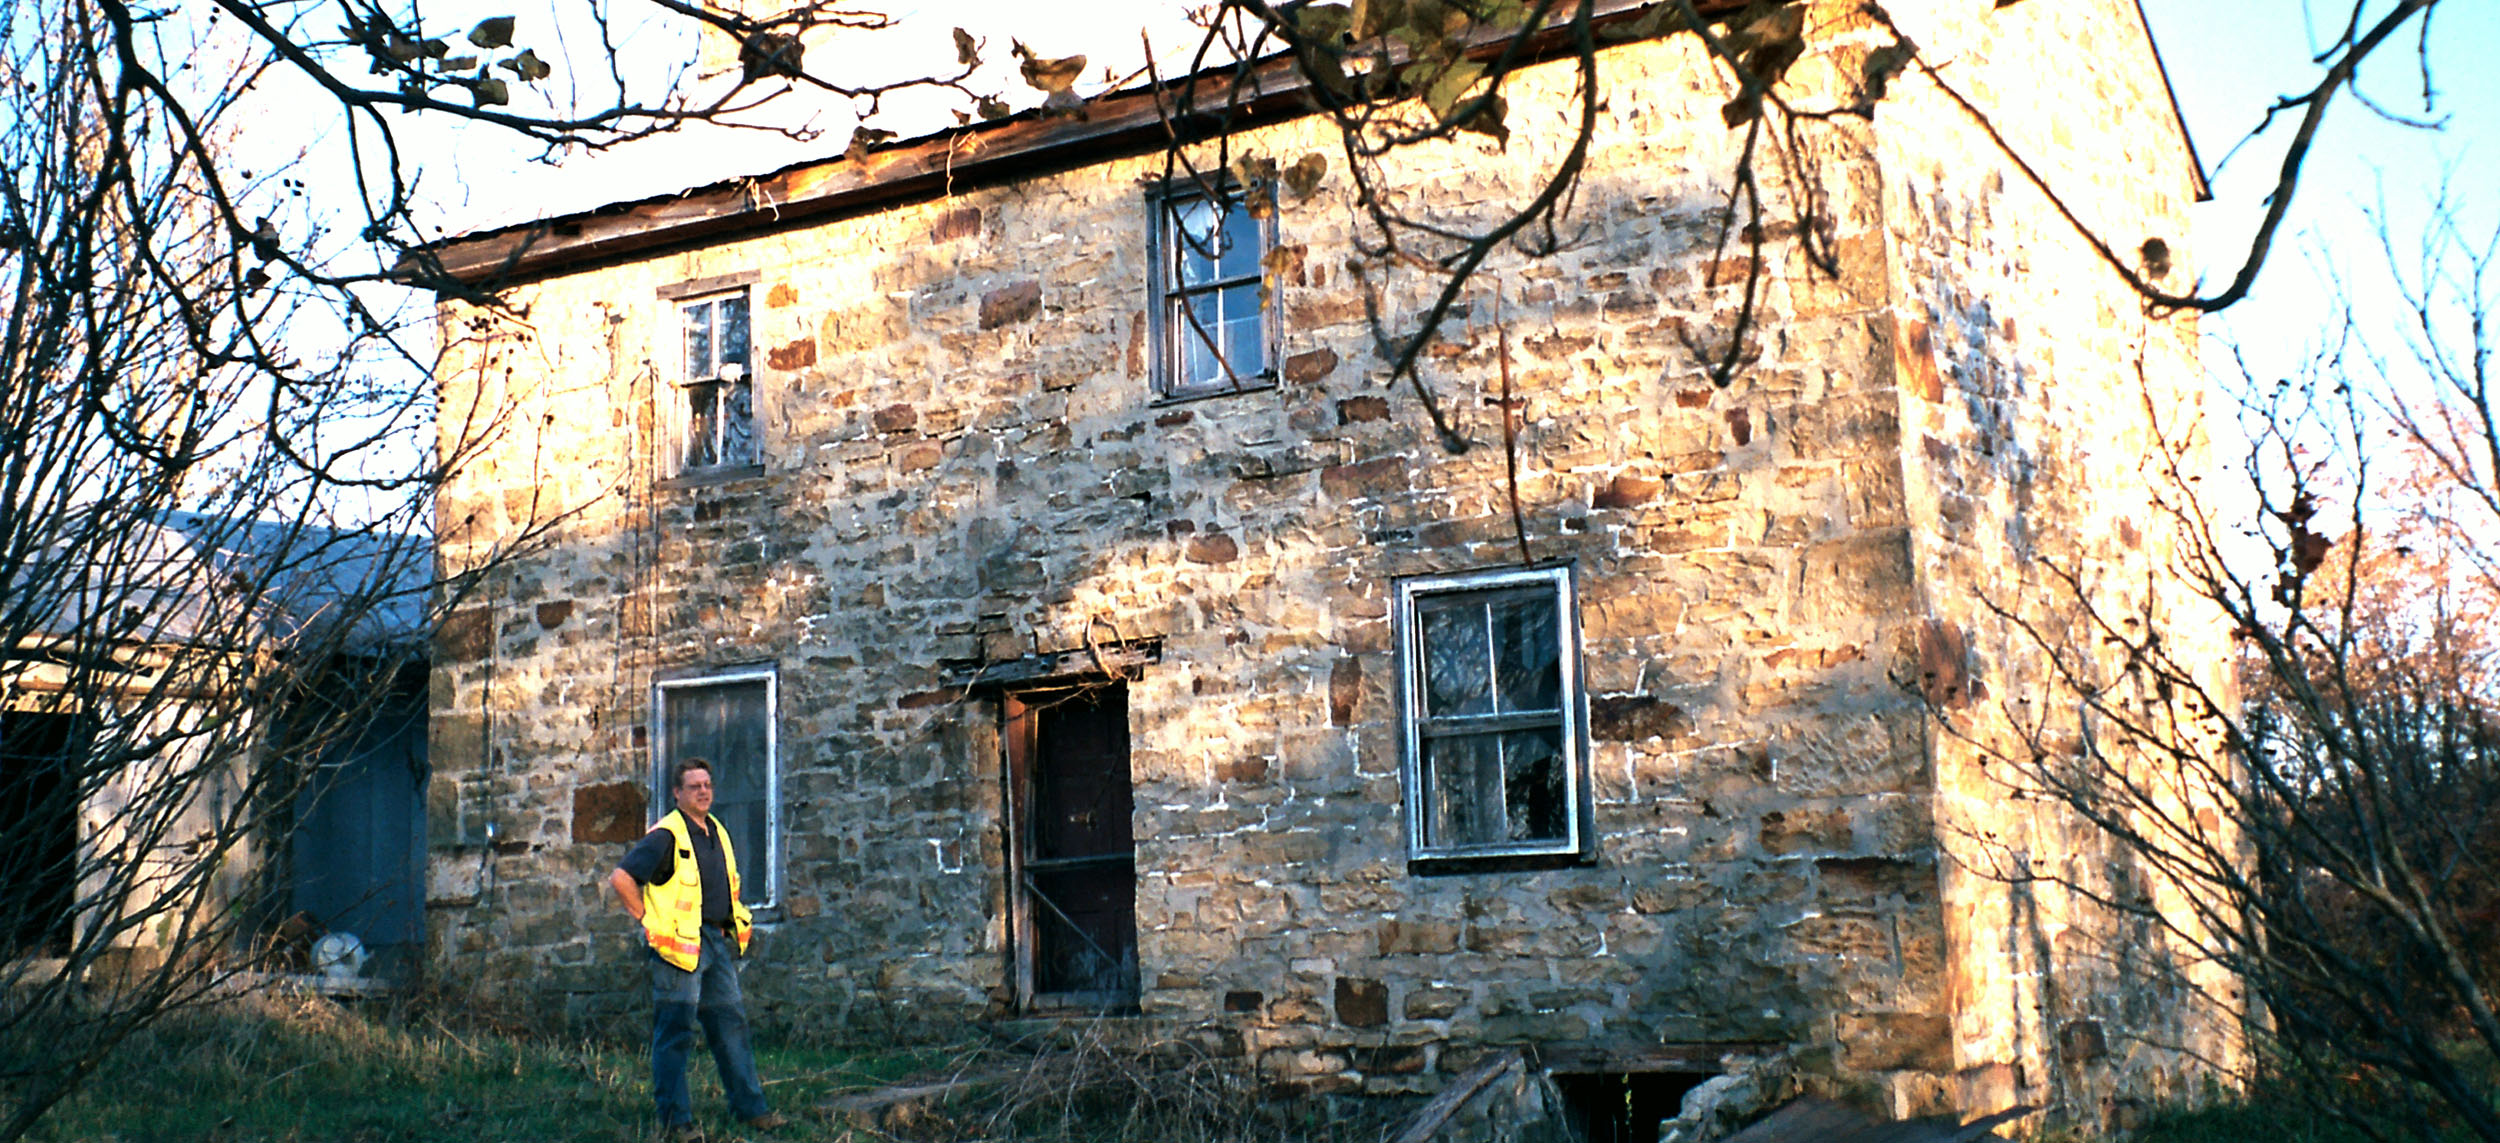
point(2228, 59)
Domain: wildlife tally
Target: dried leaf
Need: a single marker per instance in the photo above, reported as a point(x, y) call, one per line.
point(1881, 66)
point(436, 49)
point(1502, 15)
point(459, 63)
point(527, 66)
point(1490, 117)
point(1447, 85)
point(863, 139)
point(1323, 23)
point(1427, 17)
point(492, 32)
point(1762, 46)
point(1659, 20)
point(1254, 173)
point(967, 49)
point(490, 93)
point(1769, 42)
point(1373, 18)
point(1302, 178)
point(992, 107)
point(772, 53)
point(264, 237)
point(1050, 75)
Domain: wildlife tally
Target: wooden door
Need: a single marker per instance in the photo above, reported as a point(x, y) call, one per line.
point(359, 840)
point(1074, 861)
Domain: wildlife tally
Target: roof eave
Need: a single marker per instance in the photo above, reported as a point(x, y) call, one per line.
point(1127, 122)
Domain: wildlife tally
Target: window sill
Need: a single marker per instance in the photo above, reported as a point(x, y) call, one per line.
point(1265, 382)
point(1447, 864)
point(707, 477)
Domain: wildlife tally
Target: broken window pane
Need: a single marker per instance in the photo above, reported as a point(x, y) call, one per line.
point(737, 423)
point(733, 329)
point(1534, 796)
point(1527, 666)
point(1457, 660)
point(1466, 790)
point(1238, 255)
point(1494, 789)
point(1244, 333)
point(699, 362)
point(1198, 244)
point(702, 425)
point(1199, 366)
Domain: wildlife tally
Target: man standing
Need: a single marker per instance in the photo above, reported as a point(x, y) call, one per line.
point(681, 882)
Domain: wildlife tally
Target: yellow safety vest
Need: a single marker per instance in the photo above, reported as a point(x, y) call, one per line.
point(672, 910)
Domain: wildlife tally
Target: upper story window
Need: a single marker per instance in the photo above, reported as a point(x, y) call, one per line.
point(1211, 324)
point(727, 719)
point(716, 392)
point(1492, 715)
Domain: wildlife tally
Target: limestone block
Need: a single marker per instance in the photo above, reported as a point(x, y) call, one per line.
point(1894, 1041)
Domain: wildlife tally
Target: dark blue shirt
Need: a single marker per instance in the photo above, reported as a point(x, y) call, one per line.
point(654, 859)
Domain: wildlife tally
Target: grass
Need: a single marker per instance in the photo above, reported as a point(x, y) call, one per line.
point(2275, 1111)
point(310, 1072)
point(2262, 1120)
point(273, 1070)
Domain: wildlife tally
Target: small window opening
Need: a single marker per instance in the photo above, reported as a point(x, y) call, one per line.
point(1623, 1107)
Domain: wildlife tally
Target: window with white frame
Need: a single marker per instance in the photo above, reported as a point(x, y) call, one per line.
point(1211, 325)
point(716, 390)
point(727, 719)
point(1492, 714)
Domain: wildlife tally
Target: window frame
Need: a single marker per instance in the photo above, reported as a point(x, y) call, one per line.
point(680, 414)
point(664, 800)
point(1578, 844)
point(1165, 329)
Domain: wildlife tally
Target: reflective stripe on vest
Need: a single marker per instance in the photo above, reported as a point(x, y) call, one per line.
point(672, 910)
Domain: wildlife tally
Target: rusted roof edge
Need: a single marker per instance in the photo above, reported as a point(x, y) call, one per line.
point(1125, 122)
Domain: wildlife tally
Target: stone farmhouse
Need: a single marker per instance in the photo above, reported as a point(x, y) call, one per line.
point(1081, 627)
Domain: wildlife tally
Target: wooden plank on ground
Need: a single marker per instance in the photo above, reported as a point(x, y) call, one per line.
point(1429, 1120)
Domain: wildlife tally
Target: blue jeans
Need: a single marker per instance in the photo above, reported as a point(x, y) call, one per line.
point(708, 994)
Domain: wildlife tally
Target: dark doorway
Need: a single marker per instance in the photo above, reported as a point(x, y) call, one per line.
point(1074, 864)
point(359, 843)
point(39, 754)
point(1624, 1107)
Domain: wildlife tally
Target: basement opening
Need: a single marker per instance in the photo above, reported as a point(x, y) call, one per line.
point(1623, 1107)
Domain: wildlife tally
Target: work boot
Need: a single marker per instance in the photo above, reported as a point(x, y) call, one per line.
point(769, 1121)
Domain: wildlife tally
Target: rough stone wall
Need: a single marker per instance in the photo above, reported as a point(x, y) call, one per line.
point(963, 462)
point(2040, 407)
